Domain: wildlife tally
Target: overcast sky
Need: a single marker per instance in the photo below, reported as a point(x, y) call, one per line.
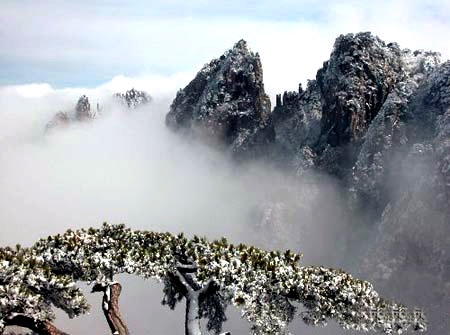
point(87, 43)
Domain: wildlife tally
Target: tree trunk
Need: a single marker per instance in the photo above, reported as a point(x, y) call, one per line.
point(111, 310)
point(40, 327)
point(192, 322)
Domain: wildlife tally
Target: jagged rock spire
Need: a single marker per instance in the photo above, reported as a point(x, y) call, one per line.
point(133, 98)
point(354, 83)
point(83, 109)
point(226, 102)
point(241, 44)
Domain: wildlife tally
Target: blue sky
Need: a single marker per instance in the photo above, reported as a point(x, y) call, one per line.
point(87, 43)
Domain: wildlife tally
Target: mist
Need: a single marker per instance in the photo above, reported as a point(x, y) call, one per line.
point(127, 167)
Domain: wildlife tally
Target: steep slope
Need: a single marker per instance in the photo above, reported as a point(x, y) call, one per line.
point(411, 250)
point(355, 83)
point(384, 129)
point(226, 103)
point(400, 122)
point(297, 122)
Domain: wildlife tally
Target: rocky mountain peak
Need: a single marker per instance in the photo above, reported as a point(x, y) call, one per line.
point(354, 83)
point(81, 113)
point(241, 45)
point(226, 102)
point(333, 115)
point(133, 98)
point(83, 109)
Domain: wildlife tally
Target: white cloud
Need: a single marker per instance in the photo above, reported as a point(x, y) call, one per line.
point(92, 42)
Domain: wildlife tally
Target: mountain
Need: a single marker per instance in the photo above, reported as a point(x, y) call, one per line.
point(377, 119)
point(83, 112)
point(133, 98)
point(226, 103)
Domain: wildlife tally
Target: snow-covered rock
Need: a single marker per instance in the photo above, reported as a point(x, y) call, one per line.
point(226, 103)
point(133, 98)
point(83, 111)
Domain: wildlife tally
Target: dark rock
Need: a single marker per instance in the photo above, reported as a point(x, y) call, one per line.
point(410, 252)
point(354, 84)
point(83, 112)
point(226, 103)
point(332, 117)
point(133, 98)
point(83, 109)
point(401, 122)
point(297, 122)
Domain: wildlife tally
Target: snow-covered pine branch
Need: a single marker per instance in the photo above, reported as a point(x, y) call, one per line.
point(266, 285)
point(29, 289)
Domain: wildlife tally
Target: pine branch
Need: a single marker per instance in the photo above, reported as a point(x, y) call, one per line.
point(37, 326)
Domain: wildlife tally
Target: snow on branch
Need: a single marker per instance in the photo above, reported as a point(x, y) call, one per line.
point(266, 285)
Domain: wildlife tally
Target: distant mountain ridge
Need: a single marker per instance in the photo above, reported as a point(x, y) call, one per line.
point(83, 111)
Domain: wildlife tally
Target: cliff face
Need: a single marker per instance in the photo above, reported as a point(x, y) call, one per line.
point(376, 118)
point(337, 116)
point(226, 103)
point(297, 122)
point(355, 83)
point(411, 249)
point(404, 121)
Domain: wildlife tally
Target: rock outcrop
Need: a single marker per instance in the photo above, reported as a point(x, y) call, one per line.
point(411, 250)
point(133, 98)
point(355, 83)
point(398, 125)
point(332, 118)
point(84, 112)
point(61, 119)
point(81, 113)
point(226, 103)
point(296, 119)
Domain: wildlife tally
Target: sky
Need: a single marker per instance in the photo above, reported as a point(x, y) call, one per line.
point(88, 43)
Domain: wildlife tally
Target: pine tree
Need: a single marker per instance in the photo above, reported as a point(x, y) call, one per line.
point(268, 286)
